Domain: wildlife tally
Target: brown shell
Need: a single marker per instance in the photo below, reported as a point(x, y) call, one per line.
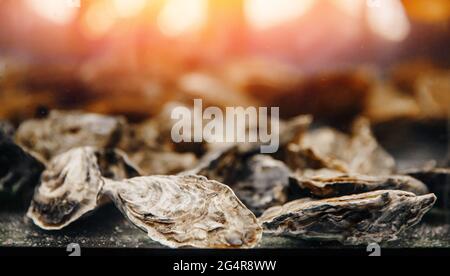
point(71, 185)
point(263, 183)
point(162, 162)
point(153, 149)
point(186, 211)
point(326, 184)
point(327, 148)
point(155, 134)
point(357, 219)
point(62, 131)
point(259, 181)
point(221, 165)
point(115, 164)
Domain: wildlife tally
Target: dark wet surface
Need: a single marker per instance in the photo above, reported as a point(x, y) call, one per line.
point(108, 229)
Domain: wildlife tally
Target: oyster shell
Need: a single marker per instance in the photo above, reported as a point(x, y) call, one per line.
point(327, 184)
point(427, 85)
point(71, 185)
point(153, 149)
point(69, 189)
point(259, 181)
point(186, 211)
point(358, 219)
point(263, 183)
point(19, 171)
point(114, 164)
point(294, 129)
point(327, 148)
point(221, 165)
point(6, 129)
point(62, 131)
point(155, 134)
point(163, 162)
point(437, 180)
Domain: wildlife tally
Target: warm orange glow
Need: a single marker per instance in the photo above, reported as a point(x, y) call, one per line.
point(129, 8)
point(351, 7)
point(264, 14)
point(182, 16)
point(57, 11)
point(99, 18)
point(389, 20)
point(386, 18)
point(435, 11)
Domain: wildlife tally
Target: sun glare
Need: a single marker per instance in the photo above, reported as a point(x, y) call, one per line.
point(99, 18)
point(57, 11)
point(182, 16)
point(351, 7)
point(389, 20)
point(264, 14)
point(129, 8)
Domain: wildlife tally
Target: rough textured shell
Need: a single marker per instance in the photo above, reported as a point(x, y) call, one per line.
point(71, 185)
point(69, 189)
point(231, 156)
point(326, 184)
point(263, 183)
point(163, 163)
point(358, 219)
point(327, 148)
point(62, 131)
point(259, 181)
point(114, 164)
point(186, 211)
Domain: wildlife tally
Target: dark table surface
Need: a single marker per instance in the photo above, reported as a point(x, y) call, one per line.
point(107, 228)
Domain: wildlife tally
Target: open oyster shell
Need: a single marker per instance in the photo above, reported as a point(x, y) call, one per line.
point(358, 219)
point(19, 171)
point(326, 184)
point(186, 211)
point(70, 186)
point(327, 148)
point(62, 131)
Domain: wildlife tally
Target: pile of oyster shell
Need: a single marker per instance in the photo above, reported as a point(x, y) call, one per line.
point(322, 184)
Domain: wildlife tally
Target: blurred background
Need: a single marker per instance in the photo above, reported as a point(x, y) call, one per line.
point(332, 58)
